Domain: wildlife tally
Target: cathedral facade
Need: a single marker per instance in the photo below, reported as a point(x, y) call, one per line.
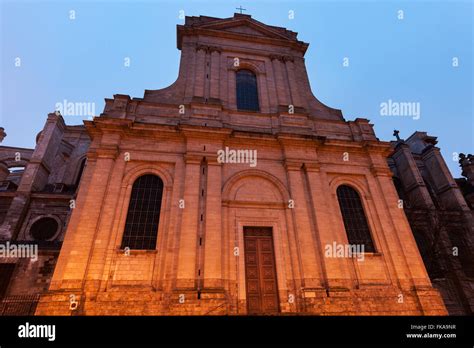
point(232, 191)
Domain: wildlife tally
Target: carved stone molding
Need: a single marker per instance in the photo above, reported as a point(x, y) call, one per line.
point(282, 58)
point(208, 49)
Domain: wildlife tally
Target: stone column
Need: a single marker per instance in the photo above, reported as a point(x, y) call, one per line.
point(334, 271)
point(402, 248)
point(223, 83)
point(82, 232)
point(271, 86)
point(199, 76)
point(188, 60)
point(186, 274)
point(102, 240)
point(294, 90)
point(214, 75)
point(303, 231)
point(413, 184)
point(451, 195)
point(280, 83)
point(213, 236)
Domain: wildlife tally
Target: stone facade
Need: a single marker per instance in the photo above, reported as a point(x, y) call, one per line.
point(305, 149)
point(440, 216)
point(37, 184)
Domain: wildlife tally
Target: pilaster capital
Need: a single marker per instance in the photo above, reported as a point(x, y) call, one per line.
point(293, 165)
point(212, 160)
point(104, 151)
point(193, 158)
point(380, 171)
point(282, 58)
point(208, 49)
point(312, 166)
point(275, 57)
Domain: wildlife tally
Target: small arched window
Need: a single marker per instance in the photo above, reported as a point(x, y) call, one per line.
point(355, 221)
point(143, 217)
point(247, 91)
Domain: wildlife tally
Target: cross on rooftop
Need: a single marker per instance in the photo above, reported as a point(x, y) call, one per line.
point(395, 133)
point(241, 9)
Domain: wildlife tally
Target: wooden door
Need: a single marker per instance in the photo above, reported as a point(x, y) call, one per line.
point(260, 271)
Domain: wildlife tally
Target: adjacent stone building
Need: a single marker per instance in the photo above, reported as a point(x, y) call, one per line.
point(439, 215)
point(232, 191)
point(36, 189)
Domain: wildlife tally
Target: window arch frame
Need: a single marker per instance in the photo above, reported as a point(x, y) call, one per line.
point(363, 207)
point(159, 211)
point(256, 107)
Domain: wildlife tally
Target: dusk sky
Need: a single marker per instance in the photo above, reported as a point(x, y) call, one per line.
point(422, 55)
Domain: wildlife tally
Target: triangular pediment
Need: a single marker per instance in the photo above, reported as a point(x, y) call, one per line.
point(240, 27)
point(246, 26)
point(246, 29)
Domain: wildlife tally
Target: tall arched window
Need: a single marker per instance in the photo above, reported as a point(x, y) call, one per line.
point(247, 92)
point(355, 221)
point(143, 217)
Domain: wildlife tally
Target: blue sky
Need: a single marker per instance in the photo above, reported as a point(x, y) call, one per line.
point(403, 60)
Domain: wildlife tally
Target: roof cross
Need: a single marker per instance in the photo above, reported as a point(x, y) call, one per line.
point(395, 134)
point(241, 9)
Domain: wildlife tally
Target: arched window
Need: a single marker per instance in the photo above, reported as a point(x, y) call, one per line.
point(247, 92)
point(355, 221)
point(141, 226)
point(44, 229)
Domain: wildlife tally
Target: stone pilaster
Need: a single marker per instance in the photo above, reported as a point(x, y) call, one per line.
point(186, 273)
point(309, 260)
point(280, 81)
point(199, 73)
point(104, 235)
point(444, 184)
point(82, 235)
point(293, 82)
point(410, 176)
point(334, 274)
point(213, 236)
point(214, 74)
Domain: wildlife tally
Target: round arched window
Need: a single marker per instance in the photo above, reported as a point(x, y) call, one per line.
point(44, 228)
point(247, 91)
